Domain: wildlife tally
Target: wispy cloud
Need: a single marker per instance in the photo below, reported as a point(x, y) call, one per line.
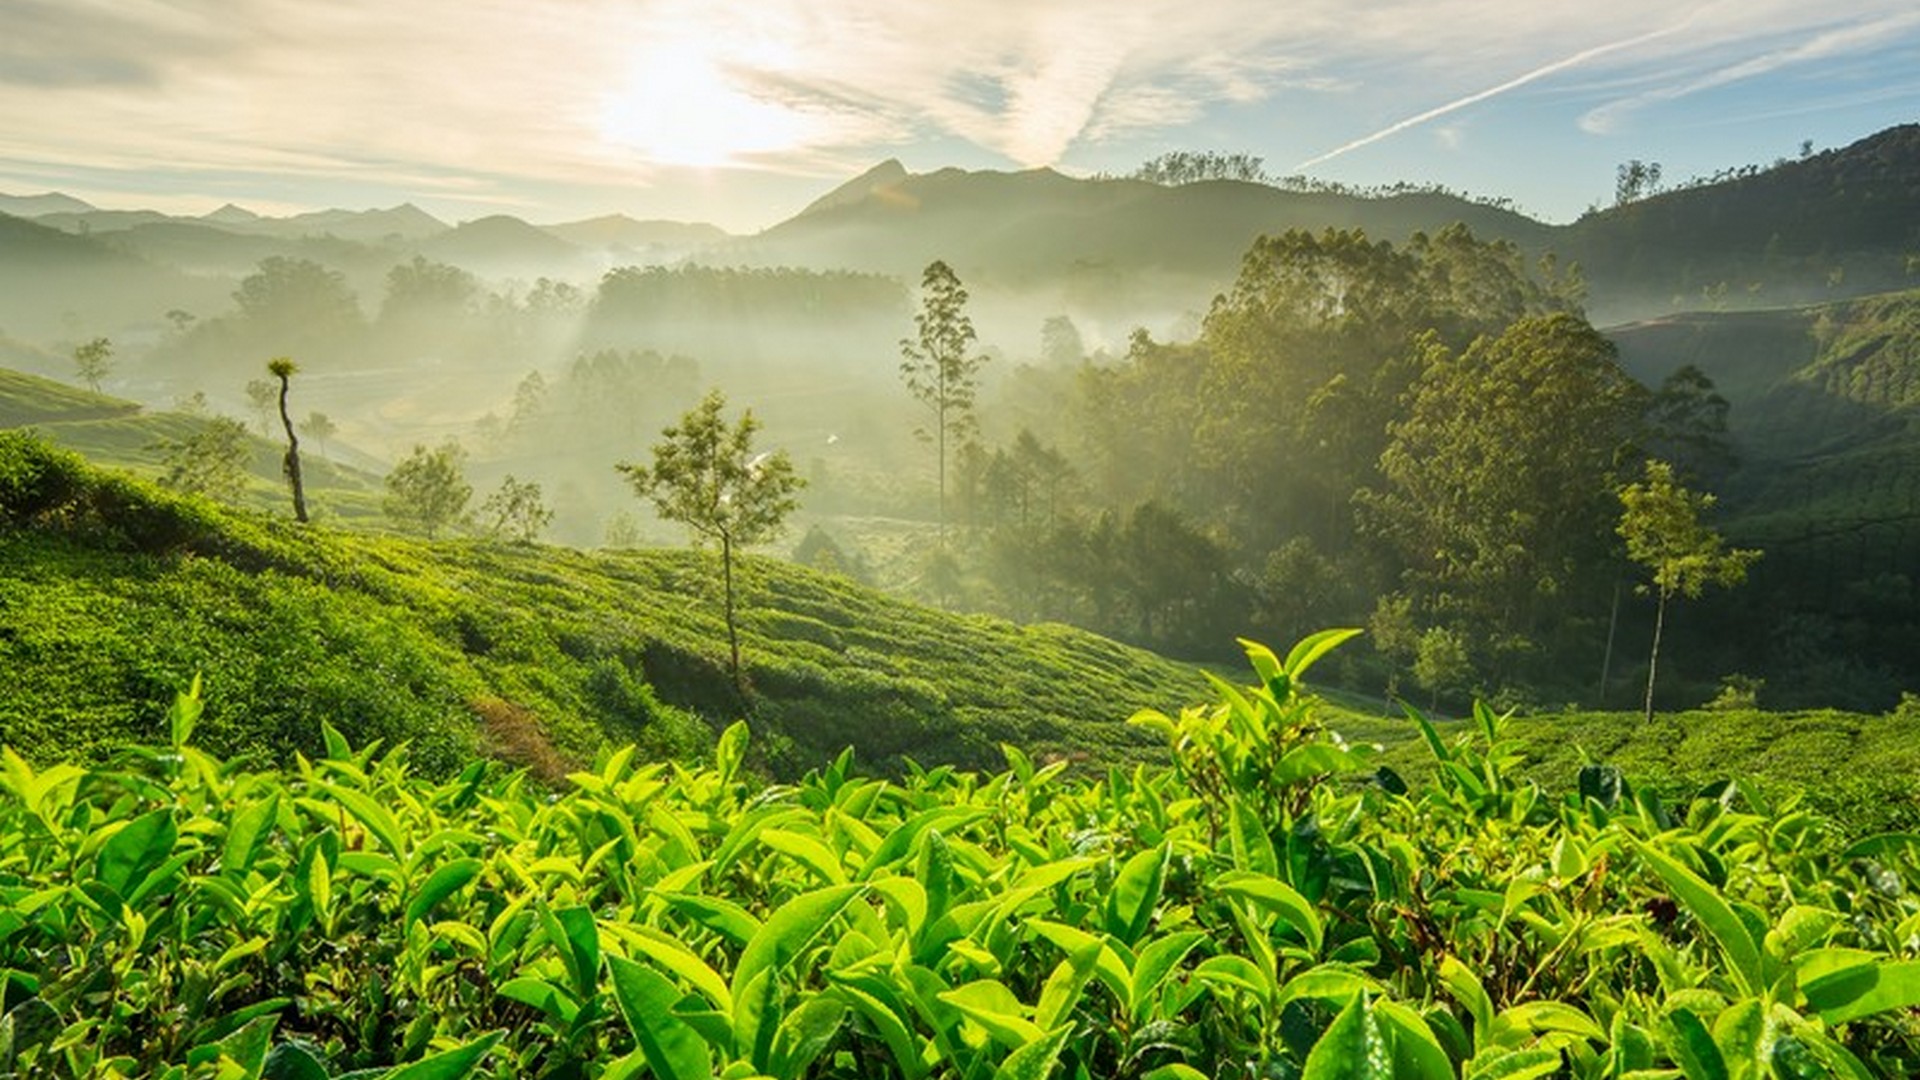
point(1821, 46)
point(1555, 67)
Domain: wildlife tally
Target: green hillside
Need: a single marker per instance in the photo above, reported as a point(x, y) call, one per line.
point(1839, 223)
point(117, 432)
point(114, 594)
point(1040, 226)
point(51, 281)
point(29, 399)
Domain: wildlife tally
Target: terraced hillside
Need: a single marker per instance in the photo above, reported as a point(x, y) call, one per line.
point(115, 594)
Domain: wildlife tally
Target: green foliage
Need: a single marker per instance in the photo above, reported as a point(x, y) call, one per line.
point(516, 511)
point(1498, 492)
point(212, 461)
point(1187, 167)
point(1661, 524)
point(1266, 905)
point(93, 361)
point(707, 477)
point(1852, 768)
point(428, 490)
point(1635, 180)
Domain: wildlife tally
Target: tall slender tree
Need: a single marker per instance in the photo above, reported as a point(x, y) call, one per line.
point(1660, 521)
point(940, 366)
point(706, 476)
point(282, 368)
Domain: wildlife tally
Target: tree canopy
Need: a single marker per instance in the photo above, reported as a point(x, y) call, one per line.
point(706, 476)
point(428, 489)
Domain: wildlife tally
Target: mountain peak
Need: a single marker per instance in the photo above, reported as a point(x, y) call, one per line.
point(884, 175)
point(231, 214)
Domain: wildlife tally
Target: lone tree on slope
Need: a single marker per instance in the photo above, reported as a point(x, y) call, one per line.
point(1660, 521)
point(428, 489)
point(282, 368)
point(706, 476)
point(93, 361)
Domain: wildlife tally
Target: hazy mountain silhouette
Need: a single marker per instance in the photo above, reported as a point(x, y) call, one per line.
point(881, 176)
point(398, 223)
point(1040, 225)
point(506, 246)
point(33, 206)
point(618, 231)
point(53, 281)
point(1841, 223)
point(231, 214)
point(96, 222)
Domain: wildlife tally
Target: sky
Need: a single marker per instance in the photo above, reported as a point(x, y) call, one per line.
point(740, 112)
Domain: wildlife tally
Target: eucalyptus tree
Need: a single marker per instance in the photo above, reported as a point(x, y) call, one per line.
point(1497, 481)
point(940, 366)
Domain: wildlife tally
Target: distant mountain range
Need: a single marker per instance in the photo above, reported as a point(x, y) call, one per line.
point(1837, 224)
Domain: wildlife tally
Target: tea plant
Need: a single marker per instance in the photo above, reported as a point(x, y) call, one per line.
point(1269, 903)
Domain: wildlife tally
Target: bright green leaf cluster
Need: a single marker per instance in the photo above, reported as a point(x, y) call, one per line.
point(1267, 904)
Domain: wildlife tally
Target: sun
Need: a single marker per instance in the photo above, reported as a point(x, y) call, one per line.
point(682, 107)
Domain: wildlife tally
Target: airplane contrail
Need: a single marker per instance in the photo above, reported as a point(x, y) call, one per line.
point(1475, 98)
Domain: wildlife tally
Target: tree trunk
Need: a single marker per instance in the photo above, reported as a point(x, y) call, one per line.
point(940, 464)
point(291, 464)
point(1653, 662)
point(726, 580)
point(1606, 661)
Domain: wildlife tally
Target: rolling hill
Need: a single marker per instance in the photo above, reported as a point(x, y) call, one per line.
point(1845, 222)
point(1039, 224)
point(114, 594)
point(51, 281)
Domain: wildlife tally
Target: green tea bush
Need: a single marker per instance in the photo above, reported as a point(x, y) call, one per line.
point(1268, 903)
